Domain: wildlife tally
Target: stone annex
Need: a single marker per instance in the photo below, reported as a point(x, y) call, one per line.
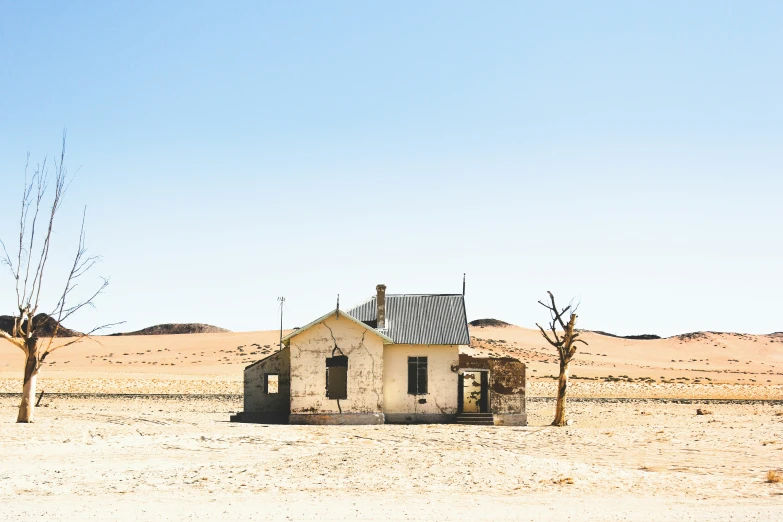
point(393, 359)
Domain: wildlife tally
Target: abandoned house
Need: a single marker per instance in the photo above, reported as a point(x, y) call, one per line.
point(393, 359)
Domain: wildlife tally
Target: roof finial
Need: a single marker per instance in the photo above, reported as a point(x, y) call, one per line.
point(463, 284)
point(337, 311)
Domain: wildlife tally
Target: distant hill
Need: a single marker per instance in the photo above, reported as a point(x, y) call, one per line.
point(642, 337)
point(497, 323)
point(176, 328)
point(48, 325)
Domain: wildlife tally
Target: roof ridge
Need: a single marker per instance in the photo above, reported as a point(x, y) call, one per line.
point(374, 297)
point(363, 302)
point(426, 295)
point(336, 311)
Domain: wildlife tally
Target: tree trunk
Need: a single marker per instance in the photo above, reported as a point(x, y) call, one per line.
point(27, 405)
point(562, 384)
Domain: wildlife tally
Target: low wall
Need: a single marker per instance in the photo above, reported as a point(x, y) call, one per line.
point(506, 382)
point(336, 418)
point(510, 419)
point(420, 418)
point(259, 417)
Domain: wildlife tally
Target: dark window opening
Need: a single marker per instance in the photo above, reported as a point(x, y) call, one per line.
point(417, 375)
point(271, 383)
point(337, 377)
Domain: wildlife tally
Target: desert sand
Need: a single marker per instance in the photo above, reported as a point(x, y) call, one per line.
point(700, 365)
point(102, 447)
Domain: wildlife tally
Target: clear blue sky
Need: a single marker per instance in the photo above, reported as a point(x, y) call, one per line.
point(625, 153)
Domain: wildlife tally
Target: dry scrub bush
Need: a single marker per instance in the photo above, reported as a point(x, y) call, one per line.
point(564, 480)
point(774, 477)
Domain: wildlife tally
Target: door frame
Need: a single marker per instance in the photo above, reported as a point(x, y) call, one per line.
point(483, 402)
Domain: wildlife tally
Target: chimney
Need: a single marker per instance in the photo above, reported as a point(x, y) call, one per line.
point(380, 302)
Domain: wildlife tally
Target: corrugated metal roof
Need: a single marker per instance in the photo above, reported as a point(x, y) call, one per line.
point(419, 318)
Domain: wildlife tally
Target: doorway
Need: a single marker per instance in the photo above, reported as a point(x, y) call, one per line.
point(473, 391)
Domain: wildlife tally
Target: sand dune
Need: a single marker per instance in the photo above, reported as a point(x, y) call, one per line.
point(703, 356)
point(209, 353)
point(694, 365)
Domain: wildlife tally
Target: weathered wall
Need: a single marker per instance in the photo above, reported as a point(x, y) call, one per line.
point(256, 400)
point(309, 351)
point(506, 386)
point(440, 403)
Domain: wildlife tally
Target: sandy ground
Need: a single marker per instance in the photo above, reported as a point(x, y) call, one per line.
point(178, 459)
point(123, 454)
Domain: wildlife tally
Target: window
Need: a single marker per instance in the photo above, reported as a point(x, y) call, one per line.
point(271, 383)
point(417, 375)
point(337, 377)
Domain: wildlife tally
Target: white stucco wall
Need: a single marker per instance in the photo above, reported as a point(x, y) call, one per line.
point(256, 398)
point(441, 379)
point(309, 351)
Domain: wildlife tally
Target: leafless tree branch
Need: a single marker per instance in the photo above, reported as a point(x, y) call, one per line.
point(16, 341)
point(80, 338)
point(6, 260)
point(40, 176)
point(566, 348)
point(28, 188)
point(543, 332)
point(65, 313)
point(29, 273)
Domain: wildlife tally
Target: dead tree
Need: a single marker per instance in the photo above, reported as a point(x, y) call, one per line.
point(565, 342)
point(28, 267)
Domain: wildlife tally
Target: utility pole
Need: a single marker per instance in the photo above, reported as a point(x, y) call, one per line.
point(282, 302)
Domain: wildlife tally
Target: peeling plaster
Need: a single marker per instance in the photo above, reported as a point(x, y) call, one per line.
point(365, 366)
point(506, 382)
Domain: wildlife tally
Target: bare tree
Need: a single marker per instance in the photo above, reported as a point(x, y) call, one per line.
point(32, 330)
point(565, 342)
